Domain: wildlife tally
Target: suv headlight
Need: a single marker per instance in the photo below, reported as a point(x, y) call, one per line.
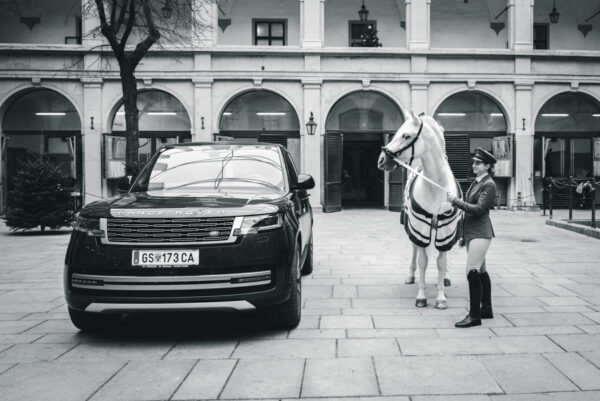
point(89, 226)
point(254, 224)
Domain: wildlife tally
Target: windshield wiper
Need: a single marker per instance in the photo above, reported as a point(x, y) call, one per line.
point(254, 181)
point(250, 180)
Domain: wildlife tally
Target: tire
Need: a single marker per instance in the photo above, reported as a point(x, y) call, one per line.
point(90, 322)
point(287, 314)
point(307, 268)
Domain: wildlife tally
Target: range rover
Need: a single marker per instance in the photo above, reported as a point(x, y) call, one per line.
point(202, 226)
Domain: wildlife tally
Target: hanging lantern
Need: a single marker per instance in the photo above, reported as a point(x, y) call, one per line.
point(167, 10)
point(554, 14)
point(363, 13)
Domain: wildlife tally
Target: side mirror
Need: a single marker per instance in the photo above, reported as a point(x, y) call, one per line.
point(123, 184)
point(305, 181)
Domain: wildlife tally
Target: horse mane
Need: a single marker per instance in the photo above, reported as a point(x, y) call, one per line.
point(438, 130)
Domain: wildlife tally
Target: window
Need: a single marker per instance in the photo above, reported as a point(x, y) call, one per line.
point(357, 29)
point(269, 32)
point(540, 36)
point(78, 33)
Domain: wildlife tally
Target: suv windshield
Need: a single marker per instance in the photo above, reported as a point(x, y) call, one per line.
point(214, 168)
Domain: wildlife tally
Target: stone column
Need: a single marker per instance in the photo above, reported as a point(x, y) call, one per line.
point(417, 24)
point(524, 131)
point(203, 128)
point(205, 14)
point(312, 23)
point(311, 144)
point(520, 24)
point(419, 97)
point(90, 38)
point(92, 139)
point(90, 21)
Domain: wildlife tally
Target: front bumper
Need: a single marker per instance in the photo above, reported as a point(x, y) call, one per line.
point(254, 269)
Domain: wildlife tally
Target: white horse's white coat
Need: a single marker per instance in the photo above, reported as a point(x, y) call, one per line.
point(429, 152)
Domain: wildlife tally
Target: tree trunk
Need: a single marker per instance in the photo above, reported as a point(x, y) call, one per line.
point(129, 85)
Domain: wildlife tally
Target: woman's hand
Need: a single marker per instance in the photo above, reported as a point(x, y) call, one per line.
point(450, 197)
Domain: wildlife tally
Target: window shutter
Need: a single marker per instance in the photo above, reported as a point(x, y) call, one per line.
point(458, 152)
point(396, 180)
point(331, 186)
point(273, 138)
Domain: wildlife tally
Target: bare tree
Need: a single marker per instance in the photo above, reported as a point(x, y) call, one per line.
point(131, 28)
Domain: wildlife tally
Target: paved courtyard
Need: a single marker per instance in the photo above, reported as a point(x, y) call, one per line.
point(360, 335)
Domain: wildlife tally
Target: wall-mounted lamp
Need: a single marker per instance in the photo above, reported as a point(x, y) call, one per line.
point(311, 125)
point(554, 14)
point(586, 28)
point(498, 26)
point(201, 122)
point(91, 122)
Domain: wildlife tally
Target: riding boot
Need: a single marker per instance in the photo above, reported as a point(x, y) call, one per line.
point(486, 296)
point(474, 316)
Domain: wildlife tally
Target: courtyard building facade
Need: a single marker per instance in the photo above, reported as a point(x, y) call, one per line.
point(520, 78)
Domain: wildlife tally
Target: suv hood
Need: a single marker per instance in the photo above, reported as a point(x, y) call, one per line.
point(157, 204)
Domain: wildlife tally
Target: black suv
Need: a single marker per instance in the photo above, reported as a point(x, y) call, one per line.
point(204, 225)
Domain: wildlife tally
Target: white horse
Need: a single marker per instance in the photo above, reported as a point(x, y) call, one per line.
point(430, 216)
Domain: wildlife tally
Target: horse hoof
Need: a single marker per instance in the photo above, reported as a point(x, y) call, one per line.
point(409, 280)
point(441, 305)
point(421, 303)
point(447, 282)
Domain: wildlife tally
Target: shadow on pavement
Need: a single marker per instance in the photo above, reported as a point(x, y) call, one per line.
point(178, 326)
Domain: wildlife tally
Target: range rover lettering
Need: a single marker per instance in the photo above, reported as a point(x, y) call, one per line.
point(204, 225)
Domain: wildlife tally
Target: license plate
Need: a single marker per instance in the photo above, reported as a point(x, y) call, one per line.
point(164, 258)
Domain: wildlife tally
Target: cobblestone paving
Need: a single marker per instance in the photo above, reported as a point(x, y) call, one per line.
point(360, 335)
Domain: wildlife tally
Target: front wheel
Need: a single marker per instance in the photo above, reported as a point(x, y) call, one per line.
point(89, 321)
point(287, 314)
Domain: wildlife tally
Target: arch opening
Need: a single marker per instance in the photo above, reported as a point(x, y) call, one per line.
point(566, 143)
point(41, 122)
point(261, 116)
point(474, 120)
point(356, 128)
point(163, 120)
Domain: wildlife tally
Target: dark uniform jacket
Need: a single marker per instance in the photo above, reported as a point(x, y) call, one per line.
point(479, 200)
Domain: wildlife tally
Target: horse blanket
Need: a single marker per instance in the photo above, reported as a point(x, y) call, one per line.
point(419, 223)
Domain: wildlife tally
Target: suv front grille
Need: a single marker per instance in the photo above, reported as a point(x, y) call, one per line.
point(169, 230)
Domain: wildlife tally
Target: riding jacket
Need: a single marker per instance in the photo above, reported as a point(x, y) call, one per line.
point(479, 200)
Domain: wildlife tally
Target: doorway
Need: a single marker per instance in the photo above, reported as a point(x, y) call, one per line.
point(362, 181)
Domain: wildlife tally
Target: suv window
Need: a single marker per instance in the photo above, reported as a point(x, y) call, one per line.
point(214, 169)
point(291, 167)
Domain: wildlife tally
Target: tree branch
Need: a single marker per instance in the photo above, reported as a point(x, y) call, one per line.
point(153, 35)
point(121, 16)
point(113, 13)
point(106, 29)
point(130, 24)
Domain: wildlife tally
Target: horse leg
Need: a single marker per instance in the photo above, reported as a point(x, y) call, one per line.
point(410, 279)
point(447, 282)
point(441, 302)
point(421, 295)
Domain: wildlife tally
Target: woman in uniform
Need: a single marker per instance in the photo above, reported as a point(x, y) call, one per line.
point(477, 235)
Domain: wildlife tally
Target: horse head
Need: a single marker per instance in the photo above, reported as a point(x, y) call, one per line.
point(406, 144)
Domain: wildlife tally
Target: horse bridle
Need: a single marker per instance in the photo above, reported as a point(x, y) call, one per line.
point(410, 145)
